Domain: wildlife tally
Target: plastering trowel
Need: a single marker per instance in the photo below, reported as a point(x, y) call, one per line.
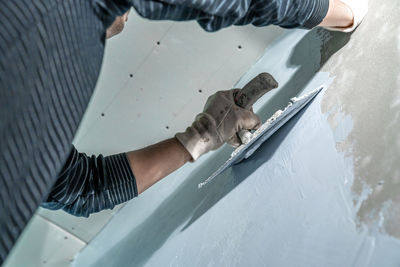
point(252, 141)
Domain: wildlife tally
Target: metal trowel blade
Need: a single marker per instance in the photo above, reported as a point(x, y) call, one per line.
point(264, 132)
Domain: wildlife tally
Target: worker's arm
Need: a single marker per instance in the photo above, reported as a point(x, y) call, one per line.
point(88, 184)
point(91, 184)
point(219, 122)
point(153, 163)
point(213, 15)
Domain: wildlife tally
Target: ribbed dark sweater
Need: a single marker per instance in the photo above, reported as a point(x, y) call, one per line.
point(50, 57)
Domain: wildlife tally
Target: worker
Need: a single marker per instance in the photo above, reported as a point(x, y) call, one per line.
point(50, 57)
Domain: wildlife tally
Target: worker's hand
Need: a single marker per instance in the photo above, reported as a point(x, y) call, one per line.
point(220, 122)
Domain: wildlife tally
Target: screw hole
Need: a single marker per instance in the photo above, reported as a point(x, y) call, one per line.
point(239, 47)
point(167, 127)
point(131, 75)
point(65, 237)
point(158, 43)
point(200, 91)
point(102, 114)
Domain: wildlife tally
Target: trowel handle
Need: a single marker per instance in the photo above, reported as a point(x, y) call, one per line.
point(250, 93)
point(256, 88)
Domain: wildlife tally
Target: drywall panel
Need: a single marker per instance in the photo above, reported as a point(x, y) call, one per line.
point(84, 228)
point(44, 245)
point(153, 84)
point(310, 196)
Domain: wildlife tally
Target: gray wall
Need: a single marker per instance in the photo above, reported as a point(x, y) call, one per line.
point(323, 191)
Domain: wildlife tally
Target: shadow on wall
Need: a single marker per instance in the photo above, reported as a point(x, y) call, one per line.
point(188, 203)
point(309, 55)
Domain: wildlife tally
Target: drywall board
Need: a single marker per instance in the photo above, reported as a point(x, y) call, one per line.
point(297, 201)
point(152, 92)
point(84, 228)
point(44, 245)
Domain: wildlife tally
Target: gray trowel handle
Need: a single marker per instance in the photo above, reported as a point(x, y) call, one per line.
point(250, 93)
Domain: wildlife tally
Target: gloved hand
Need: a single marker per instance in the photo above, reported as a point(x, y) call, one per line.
point(217, 124)
point(222, 118)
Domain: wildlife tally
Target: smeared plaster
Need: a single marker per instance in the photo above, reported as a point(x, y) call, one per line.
point(366, 95)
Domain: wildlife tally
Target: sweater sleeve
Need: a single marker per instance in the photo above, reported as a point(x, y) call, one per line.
point(213, 15)
point(91, 184)
point(50, 58)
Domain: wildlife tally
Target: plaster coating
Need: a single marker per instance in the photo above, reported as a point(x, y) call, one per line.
point(366, 89)
point(305, 197)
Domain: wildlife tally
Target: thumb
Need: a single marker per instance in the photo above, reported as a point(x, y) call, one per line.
point(247, 121)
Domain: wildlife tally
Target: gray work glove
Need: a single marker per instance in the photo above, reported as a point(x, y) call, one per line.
point(217, 124)
point(223, 118)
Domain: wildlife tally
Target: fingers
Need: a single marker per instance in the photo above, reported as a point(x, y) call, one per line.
point(256, 88)
point(249, 121)
point(125, 16)
point(234, 141)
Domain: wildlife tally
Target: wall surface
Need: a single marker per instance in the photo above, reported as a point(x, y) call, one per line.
point(323, 191)
point(155, 78)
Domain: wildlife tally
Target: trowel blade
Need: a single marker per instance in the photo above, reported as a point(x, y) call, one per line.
point(264, 132)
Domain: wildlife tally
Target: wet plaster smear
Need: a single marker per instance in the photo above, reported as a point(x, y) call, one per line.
point(323, 191)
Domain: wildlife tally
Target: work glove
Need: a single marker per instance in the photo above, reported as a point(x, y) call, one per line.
point(222, 118)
